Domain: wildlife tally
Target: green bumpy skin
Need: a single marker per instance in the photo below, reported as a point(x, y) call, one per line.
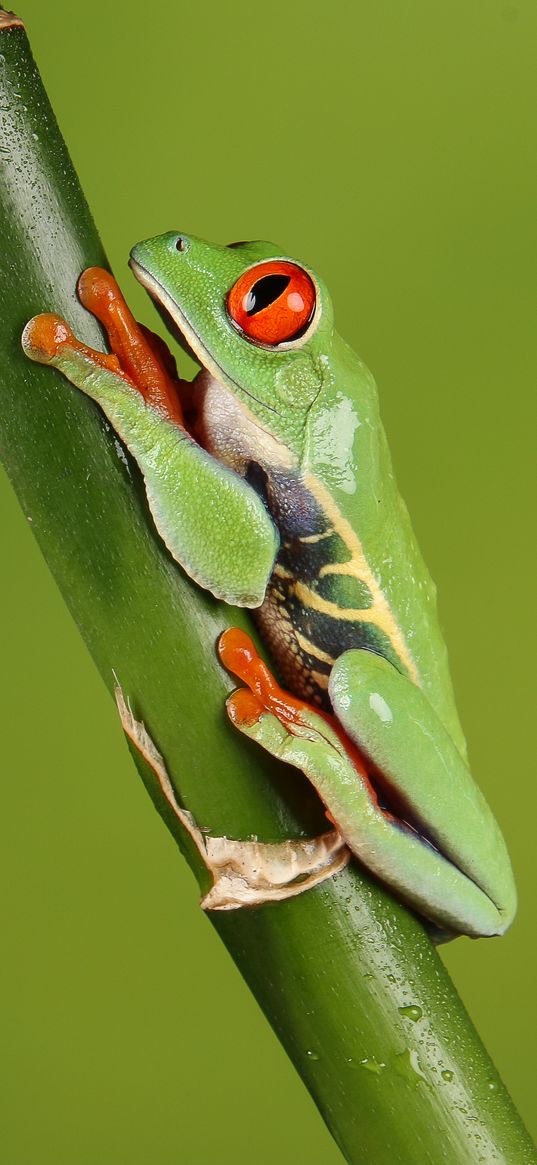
point(282, 497)
point(234, 566)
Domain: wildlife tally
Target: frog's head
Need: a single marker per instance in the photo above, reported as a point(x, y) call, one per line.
point(258, 321)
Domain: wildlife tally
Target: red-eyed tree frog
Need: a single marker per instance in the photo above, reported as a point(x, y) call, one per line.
point(269, 480)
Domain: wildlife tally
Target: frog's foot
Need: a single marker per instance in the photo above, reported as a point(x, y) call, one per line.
point(244, 873)
point(138, 359)
point(267, 713)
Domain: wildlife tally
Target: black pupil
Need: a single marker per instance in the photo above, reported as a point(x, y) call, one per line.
point(265, 292)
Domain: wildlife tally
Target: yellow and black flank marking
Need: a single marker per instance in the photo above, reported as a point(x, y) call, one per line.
point(323, 598)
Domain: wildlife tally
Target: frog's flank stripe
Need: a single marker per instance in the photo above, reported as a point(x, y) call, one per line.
point(379, 613)
point(339, 568)
point(313, 538)
point(309, 648)
point(310, 598)
point(323, 598)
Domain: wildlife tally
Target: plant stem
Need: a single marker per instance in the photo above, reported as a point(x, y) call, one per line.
point(346, 976)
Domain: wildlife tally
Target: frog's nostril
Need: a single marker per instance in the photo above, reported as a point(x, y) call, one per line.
point(180, 244)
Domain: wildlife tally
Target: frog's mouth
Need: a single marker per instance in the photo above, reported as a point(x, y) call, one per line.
point(179, 325)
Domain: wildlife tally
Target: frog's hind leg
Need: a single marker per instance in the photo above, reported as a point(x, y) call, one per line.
point(370, 779)
point(420, 770)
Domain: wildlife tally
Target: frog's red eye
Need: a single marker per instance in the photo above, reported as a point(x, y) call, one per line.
point(272, 302)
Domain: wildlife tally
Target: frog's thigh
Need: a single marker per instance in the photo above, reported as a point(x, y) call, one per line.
point(395, 726)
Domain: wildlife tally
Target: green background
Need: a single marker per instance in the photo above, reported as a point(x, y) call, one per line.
point(392, 146)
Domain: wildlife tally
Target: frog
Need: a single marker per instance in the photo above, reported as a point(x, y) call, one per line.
point(269, 479)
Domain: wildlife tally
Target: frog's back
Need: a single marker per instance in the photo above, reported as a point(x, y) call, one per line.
point(349, 573)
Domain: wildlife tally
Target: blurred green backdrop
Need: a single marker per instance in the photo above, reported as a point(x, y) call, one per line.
point(393, 147)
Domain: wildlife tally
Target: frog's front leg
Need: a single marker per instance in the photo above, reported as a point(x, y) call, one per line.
point(211, 520)
point(392, 781)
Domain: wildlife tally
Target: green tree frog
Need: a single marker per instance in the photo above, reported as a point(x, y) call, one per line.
point(270, 481)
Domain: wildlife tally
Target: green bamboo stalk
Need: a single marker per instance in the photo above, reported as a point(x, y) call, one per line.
point(345, 975)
